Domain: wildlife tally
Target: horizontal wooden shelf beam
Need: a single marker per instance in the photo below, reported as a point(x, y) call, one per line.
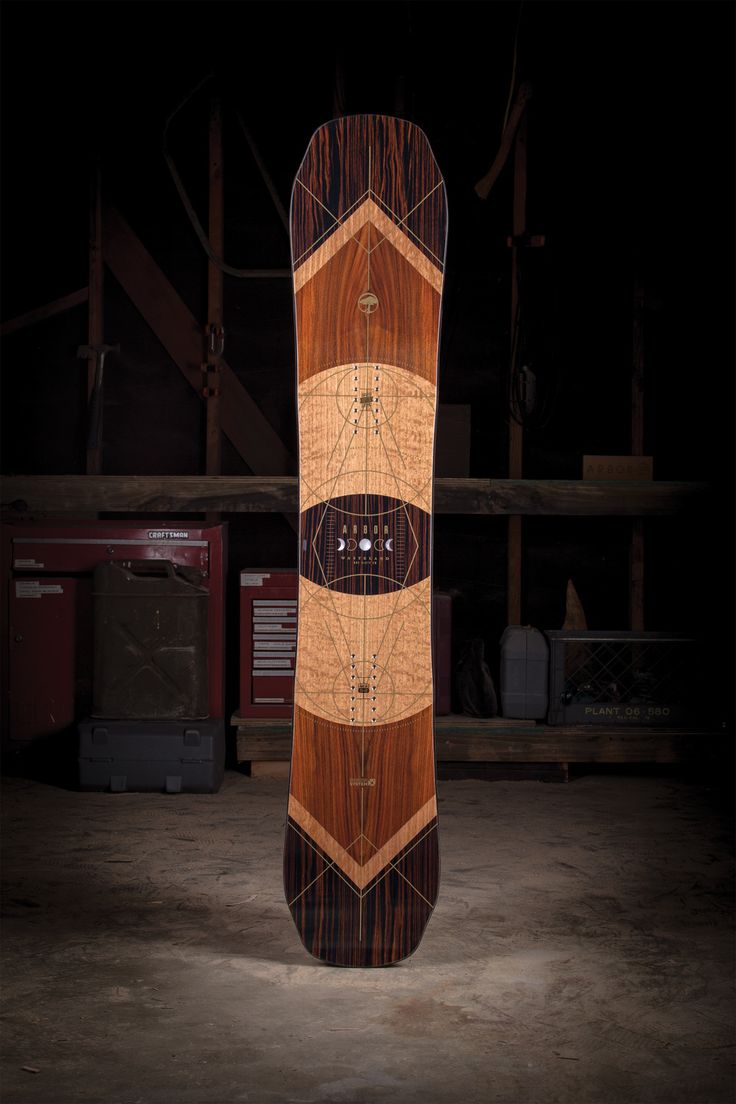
point(63, 494)
point(463, 739)
point(573, 497)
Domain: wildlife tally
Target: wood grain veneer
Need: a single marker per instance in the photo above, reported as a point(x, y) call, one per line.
point(396, 461)
point(339, 635)
point(368, 232)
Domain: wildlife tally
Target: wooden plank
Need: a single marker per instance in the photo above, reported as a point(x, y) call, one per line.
point(618, 467)
point(456, 740)
point(95, 319)
point(151, 494)
point(554, 745)
point(215, 333)
point(574, 498)
point(180, 333)
point(213, 434)
point(636, 546)
point(271, 731)
point(39, 314)
point(63, 494)
point(514, 547)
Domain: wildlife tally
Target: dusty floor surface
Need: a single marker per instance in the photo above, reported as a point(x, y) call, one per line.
point(581, 951)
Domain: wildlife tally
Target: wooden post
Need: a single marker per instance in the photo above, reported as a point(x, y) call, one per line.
point(636, 548)
point(516, 433)
point(339, 98)
point(215, 332)
point(96, 319)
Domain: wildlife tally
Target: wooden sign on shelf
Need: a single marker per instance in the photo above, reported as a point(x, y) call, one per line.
point(618, 467)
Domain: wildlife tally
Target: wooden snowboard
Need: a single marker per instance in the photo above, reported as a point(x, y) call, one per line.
point(368, 229)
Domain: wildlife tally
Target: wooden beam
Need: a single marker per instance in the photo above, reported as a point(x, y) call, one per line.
point(464, 739)
point(181, 335)
point(63, 494)
point(571, 497)
point(636, 546)
point(95, 321)
point(151, 494)
point(514, 547)
point(215, 331)
point(39, 314)
point(578, 745)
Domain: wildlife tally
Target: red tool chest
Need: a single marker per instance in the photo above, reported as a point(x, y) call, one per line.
point(268, 623)
point(268, 600)
point(47, 653)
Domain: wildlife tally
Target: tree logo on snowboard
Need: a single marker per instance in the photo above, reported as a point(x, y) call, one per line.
point(368, 302)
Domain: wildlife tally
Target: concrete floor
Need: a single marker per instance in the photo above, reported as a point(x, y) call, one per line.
point(581, 951)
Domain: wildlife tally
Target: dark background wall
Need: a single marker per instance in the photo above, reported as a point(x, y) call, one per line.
point(631, 177)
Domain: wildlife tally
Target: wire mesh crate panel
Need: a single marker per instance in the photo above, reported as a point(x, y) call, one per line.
point(635, 678)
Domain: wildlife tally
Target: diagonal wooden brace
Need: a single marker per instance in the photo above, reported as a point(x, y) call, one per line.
point(181, 335)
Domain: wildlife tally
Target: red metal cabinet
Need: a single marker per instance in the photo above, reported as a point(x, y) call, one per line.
point(47, 606)
point(44, 673)
point(268, 601)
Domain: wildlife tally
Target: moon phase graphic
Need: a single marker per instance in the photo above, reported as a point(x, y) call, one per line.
point(387, 544)
point(340, 544)
point(365, 545)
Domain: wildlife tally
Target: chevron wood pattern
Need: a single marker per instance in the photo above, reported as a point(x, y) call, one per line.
point(368, 230)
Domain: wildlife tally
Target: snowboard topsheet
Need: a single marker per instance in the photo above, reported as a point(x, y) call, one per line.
point(368, 230)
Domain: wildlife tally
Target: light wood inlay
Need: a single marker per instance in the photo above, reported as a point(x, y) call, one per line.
point(368, 212)
point(396, 461)
point(338, 630)
point(362, 874)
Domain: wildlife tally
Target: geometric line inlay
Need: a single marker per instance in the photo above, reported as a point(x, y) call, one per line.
point(362, 874)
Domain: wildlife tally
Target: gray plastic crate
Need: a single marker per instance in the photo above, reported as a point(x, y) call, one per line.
point(524, 673)
point(624, 678)
point(160, 756)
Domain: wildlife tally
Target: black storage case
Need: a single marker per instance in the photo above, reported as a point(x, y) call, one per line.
point(152, 756)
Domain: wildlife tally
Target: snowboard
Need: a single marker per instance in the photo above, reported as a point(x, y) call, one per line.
point(368, 232)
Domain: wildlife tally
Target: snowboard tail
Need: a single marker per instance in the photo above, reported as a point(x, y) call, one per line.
point(368, 228)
